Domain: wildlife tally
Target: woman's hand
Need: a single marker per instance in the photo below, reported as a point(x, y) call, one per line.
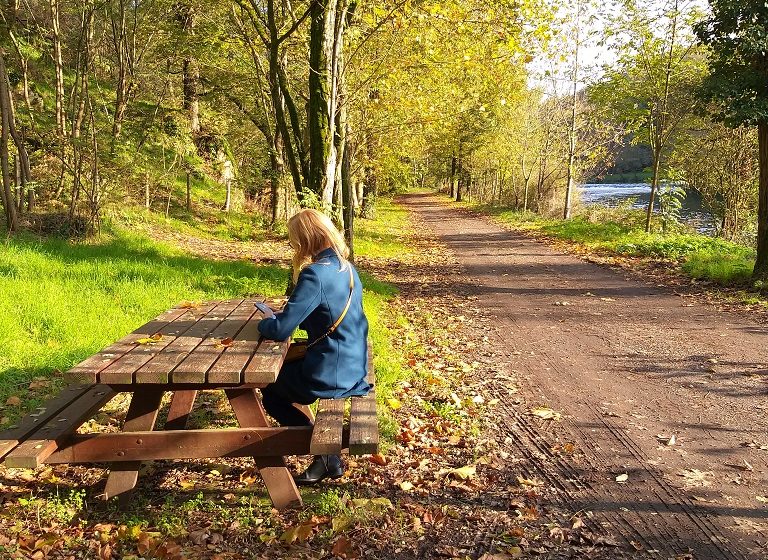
point(265, 310)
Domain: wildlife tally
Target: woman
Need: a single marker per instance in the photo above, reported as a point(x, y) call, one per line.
point(327, 302)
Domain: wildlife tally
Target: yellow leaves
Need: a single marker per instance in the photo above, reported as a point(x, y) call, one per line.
point(532, 482)
point(341, 523)
point(394, 404)
point(187, 484)
point(224, 343)
point(299, 533)
point(406, 486)
point(463, 473)
point(249, 476)
point(154, 339)
point(545, 413)
point(13, 401)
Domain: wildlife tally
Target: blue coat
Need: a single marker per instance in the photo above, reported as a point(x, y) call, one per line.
point(336, 366)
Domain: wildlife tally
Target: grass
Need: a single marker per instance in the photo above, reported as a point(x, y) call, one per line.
point(61, 301)
point(700, 256)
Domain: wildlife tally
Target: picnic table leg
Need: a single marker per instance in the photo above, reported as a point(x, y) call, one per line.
point(277, 478)
point(141, 416)
point(181, 406)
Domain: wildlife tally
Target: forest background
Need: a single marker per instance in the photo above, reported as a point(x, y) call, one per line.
point(268, 106)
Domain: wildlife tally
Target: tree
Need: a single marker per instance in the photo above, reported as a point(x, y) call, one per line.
point(721, 164)
point(737, 36)
point(652, 89)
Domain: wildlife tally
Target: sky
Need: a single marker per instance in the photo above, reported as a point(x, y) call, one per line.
point(552, 70)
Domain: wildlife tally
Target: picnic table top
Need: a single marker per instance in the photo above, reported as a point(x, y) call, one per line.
point(207, 344)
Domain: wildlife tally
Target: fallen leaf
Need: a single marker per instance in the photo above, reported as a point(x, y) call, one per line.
point(343, 548)
point(744, 466)
point(13, 401)
point(341, 522)
point(622, 478)
point(463, 473)
point(762, 499)
point(545, 413)
point(528, 482)
point(394, 404)
point(667, 440)
point(378, 458)
point(157, 337)
point(695, 477)
point(406, 486)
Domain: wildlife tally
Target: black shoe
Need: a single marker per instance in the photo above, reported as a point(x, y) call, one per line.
point(323, 466)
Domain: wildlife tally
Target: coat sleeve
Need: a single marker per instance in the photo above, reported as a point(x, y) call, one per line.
point(304, 299)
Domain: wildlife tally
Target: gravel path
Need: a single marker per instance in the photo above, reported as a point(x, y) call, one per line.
point(629, 365)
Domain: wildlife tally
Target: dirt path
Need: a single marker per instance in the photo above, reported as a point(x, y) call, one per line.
point(625, 362)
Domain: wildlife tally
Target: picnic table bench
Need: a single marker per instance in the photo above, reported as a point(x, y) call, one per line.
point(187, 349)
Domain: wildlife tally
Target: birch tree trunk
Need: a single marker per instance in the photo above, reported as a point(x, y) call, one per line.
point(328, 21)
point(61, 121)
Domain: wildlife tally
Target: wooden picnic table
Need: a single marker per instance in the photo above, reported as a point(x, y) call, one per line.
point(214, 345)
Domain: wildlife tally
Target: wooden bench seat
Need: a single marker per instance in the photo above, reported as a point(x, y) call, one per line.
point(360, 435)
point(46, 436)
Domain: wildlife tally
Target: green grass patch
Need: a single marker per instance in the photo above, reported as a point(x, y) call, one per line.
point(226, 226)
point(384, 235)
point(62, 300)
point(700, 256)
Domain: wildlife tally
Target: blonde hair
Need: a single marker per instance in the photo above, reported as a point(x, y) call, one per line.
point(310, 232)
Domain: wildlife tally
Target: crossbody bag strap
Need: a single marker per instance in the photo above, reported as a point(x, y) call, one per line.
point(343, 313)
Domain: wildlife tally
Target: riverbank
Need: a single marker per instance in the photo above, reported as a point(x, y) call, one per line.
point(619, 236)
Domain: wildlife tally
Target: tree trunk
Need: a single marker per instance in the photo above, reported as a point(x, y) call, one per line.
point(453, 176)
point(9, 203)
point(190, 74)
point(328, 20)
point(654, 188)
point(61, 121)
point(278, 168)
point(347, 189)
point(189, 193)
point(761, 263)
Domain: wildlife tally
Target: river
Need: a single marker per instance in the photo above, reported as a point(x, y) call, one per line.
point(692, 211)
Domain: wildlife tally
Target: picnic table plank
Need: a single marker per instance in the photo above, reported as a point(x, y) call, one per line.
point(15, 435)
point(87, 371)
point(194, 366)
point(266, 362)
point(230, 365)
point(122, 370)
point(159, 368)
point(329, 426)
point(363, 421)
point(33, 452)
point(183, 444)
point(141, 416)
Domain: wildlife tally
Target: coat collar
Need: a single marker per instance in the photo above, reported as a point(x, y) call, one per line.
point(324, 254)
